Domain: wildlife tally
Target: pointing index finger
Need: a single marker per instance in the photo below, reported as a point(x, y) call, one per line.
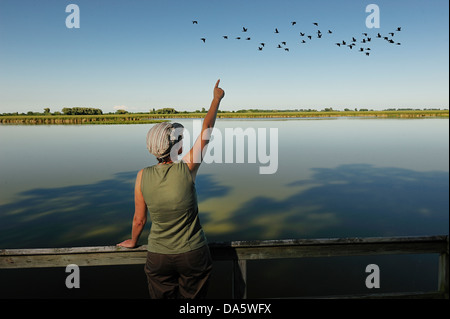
point(217, 83)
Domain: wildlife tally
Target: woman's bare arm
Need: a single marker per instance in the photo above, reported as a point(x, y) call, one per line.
point(195, 156)
point(140, 215)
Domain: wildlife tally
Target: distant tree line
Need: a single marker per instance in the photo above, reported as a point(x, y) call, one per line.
point(81, 111)
point(166, 110)
point(65, 111)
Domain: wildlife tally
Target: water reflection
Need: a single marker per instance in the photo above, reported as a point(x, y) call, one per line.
point(351, 200)
point(346, 201)
point(82, 215)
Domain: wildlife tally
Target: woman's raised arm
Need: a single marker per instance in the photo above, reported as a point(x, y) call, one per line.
point(195, 156)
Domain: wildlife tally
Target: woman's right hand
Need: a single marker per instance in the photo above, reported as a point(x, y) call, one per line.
point(129, 243)
point(218, 92)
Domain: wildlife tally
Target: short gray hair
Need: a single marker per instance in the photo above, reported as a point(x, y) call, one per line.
point(162, 137)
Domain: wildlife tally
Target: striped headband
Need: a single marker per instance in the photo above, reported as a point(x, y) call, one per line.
point(162, 136)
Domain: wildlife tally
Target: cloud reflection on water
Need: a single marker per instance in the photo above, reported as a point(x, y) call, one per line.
point(346, 201)
point(81, 215)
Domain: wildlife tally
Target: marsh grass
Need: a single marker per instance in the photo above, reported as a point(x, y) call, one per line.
point(79, 119)
point(146, 118)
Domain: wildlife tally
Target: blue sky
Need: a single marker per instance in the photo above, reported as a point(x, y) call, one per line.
point(140, 55)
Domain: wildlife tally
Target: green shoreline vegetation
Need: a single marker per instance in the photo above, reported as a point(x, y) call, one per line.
point(95, 116)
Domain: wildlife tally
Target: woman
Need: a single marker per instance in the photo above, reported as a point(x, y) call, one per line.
point(178, 259)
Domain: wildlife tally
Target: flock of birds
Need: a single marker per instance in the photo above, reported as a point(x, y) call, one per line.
point(304, 37)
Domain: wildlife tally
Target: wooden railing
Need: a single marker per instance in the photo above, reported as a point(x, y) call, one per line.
point(241, 251)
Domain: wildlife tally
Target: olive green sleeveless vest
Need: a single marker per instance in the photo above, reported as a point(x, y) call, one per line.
point(171, 198)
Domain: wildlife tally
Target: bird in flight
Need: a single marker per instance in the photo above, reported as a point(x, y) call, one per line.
point(302, 34)
point(316, 24)
point(247, 39)
point(244, 29)
point(203, 39)
point(194, 22)
point(225, 37)
point(276, 30)
point(293, 23)
point(399, 29)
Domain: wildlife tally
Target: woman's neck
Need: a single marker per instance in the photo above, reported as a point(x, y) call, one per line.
point(167, 162)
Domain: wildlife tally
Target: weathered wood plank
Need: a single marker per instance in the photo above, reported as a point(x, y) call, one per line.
point(329, 247)
point(81, 256)
point(243, 250)
point(62, 260)
point(69, 250)
point(336, 241)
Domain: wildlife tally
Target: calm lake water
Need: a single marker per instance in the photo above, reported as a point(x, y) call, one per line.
point(67, 186)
